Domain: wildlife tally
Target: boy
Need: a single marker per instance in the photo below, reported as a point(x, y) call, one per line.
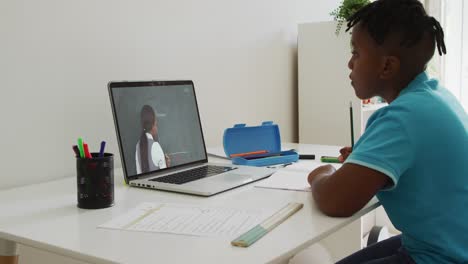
point(414, 152)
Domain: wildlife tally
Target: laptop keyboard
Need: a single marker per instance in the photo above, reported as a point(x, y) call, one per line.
point(193, 174)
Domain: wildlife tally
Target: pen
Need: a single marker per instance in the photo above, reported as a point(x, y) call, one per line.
point(101, 150)
point(268, 154)
point(86, 151)
point(329, 159)
point(80, 147)
point(76, 150)
point(248, 153)
point(307, 156)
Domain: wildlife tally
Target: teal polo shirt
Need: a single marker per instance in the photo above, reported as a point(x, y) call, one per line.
point(420, 141)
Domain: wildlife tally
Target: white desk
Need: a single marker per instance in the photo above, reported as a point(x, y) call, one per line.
point(45, 216)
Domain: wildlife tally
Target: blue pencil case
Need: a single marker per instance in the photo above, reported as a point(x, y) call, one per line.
point(256, 145)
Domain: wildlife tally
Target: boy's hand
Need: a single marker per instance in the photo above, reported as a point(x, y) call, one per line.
point(344, 153)
point(326, 170)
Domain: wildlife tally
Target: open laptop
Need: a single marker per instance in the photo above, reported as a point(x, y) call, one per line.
point(161, 140)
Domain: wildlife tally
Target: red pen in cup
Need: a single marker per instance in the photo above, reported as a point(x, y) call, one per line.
point(86, 150)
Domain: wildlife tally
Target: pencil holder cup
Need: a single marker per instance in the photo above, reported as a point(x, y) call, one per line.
point(95, 181)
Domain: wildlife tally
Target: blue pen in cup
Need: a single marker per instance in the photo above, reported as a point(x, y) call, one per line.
point(101, 150)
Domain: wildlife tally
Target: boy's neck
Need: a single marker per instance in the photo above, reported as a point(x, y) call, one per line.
point(393, 89)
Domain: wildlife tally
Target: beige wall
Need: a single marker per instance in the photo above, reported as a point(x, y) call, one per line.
point(58, 55)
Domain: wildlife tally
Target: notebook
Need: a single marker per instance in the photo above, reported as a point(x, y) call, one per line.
point(161, 140)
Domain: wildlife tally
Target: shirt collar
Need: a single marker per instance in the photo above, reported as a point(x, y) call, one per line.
point(149, 136)
point(420, 78)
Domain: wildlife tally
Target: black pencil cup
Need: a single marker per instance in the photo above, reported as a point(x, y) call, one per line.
point(95, 181)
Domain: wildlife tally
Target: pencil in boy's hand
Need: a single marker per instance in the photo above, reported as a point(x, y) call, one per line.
point(351, 121)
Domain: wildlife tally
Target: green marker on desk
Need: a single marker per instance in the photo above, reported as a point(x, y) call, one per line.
point(329, 159)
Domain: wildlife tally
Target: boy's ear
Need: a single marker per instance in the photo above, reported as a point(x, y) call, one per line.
point(391, 67)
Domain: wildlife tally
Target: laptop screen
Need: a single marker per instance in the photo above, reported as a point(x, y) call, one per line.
point(158, 125)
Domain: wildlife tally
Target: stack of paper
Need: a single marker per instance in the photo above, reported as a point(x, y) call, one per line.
point(292, 177)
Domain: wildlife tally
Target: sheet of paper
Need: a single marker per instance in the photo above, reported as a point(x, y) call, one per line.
point(187, 220)
point(292, 177)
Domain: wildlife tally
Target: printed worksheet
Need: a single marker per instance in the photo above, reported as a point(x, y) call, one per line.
point(187, 219)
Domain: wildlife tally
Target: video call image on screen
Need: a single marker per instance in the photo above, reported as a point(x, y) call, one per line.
point(158, 126)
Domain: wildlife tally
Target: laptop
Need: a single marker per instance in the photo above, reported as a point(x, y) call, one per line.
point(161, 140)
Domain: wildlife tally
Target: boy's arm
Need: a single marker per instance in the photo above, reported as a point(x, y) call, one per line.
point(343, 192)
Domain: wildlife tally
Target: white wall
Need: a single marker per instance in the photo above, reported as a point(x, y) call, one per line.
point(325, 90)
point(56, 57)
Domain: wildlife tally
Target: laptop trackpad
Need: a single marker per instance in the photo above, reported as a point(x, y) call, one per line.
point(233, 177)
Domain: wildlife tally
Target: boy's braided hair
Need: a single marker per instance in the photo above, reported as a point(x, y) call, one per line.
point(406, 17)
